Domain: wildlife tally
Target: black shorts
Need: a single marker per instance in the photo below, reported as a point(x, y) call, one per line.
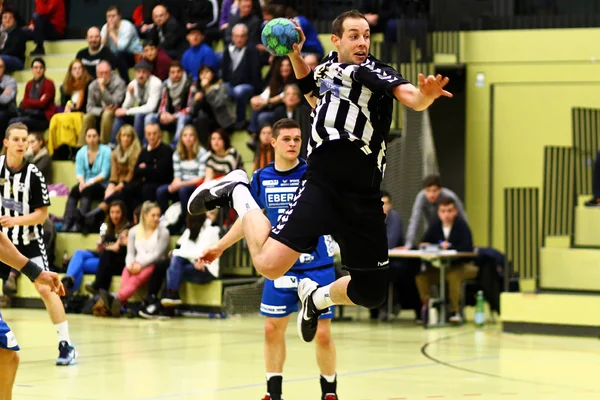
point(339, 195)
point(35, 251)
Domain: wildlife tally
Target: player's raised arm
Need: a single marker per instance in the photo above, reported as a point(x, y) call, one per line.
point(420, 98)
point(303, 73)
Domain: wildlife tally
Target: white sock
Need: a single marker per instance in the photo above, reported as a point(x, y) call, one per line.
point(243, 201)
point(63, 332)
point(322, 298)
point(329, 378)
point(272, 374)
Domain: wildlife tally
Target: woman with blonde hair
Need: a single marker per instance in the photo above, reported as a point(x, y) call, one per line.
point(65, 127)
point(188, 172)
point(146, 245)
point(122, 165)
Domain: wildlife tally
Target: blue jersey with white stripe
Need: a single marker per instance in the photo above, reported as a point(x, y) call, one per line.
point(273, 191)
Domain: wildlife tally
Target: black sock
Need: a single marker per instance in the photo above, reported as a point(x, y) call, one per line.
point(327, 387)
point(274, 385)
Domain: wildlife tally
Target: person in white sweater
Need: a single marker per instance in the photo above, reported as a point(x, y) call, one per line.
point(199, 235)
point(147, 244)
point(141, 98)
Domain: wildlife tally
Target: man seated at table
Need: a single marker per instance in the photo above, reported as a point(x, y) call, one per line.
point(450, 232)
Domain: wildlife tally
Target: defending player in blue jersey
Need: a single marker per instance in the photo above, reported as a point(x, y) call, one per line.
point(274, 188)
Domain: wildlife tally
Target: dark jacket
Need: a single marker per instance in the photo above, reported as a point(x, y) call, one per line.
point(159, 165)
point(174, 35)
point(64, 98)
point(460, 238)
point(201, 12)
point(248, 71)
point(15, 44)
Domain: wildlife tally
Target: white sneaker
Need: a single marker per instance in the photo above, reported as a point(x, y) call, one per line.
point(216, 193)
point(456, 319)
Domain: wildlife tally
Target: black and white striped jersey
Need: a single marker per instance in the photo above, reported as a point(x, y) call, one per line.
point(21, 193)
point(355, 102)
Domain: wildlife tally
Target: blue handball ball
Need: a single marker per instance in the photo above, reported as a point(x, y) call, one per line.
point(279, 36)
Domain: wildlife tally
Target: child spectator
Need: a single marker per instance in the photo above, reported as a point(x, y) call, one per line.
point(158, 59)
point(199, 54)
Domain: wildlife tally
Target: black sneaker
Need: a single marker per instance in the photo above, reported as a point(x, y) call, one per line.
point(172, 299)
point(592, 202)
point(66, 354)
point(68, 282)
point(38, 51)
point(308, 317)
point(216, 193)
point(90, 288)
point(151, 311)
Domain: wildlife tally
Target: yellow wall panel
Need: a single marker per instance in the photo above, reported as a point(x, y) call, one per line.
point(528, 117)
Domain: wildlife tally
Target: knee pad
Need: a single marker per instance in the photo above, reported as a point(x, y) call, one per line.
point(368, 288)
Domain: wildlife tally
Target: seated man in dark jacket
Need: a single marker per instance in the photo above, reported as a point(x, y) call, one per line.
point(12, 42)
point(451, 233)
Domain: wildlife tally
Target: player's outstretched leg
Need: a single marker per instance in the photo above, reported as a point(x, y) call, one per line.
point(56, 311)
point(9, 362)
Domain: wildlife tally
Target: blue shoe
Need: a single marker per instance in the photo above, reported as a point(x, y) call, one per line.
point(66, 354)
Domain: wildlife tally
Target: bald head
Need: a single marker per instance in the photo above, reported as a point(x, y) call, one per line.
point(93, 38)
point(160, 15)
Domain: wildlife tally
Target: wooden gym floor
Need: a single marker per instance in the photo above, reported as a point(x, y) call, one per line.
point(195, 358)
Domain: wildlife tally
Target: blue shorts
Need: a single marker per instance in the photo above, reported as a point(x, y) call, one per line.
point(280, 297)
point(7, 338)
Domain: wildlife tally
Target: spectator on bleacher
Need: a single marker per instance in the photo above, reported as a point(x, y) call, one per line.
point(86, 261)
point(112, 259)
point(95, 52)
point(37, 107)
point(9, 6)
point(122, 164)
point(157, 58)
point(265, 154)
point(147, 244)
point(264, 104)
point(122, 38)
point(188, 172)
point(451, 232)
point(249, 17)
point(167, 32)
point(8, 99)
point(295, 109)
point(203, 13)
point(153, 169)
point(199, 53)
point(212, 108)
point(426, 205)
point(92, 170)
point(65, 127)
point(241, 72)
point(48, 22)
point(199, 235)
point(105, 95)
point(312, 61)
point(312, 45)
point(175, 103)
point(37, 154)
point(221, 158)
point(141, 98)
point(12, 43)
